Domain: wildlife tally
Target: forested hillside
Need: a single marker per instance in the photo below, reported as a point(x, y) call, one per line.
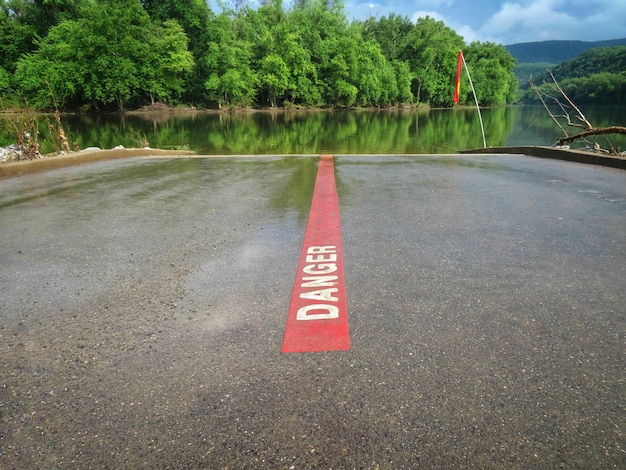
point(598, 76)
point(555, 52)
point(116, 54)
point(534, 58)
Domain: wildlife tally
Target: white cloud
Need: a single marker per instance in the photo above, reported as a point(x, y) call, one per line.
point(538, 22)
point(553, 19)
point(422, 14)
point(467, 33)
point(436, 3)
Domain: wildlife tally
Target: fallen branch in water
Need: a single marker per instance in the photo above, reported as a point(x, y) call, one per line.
point(572, 116)
point(599, 131)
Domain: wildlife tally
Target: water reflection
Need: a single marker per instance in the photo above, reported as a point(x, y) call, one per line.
point(315, 132)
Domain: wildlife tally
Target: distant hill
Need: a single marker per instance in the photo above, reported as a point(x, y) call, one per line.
point(555, 52)
point(597, 76)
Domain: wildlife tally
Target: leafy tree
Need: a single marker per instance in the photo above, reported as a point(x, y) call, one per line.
point(44, 14)
point(169, 62)
point(195, 17)
point(491, 66)
point(376, 79)
point(603, 88)
point(303, 83)
point(432, 53)
point(231, 80)
point(96, 58)
point(320, 28)
point(597, 60)
point(50, 76)
point(338, 74)
point(16, 33)
point(5, 80)
point(114, 44)
point(274, 77)
point(404, 78)
point(392, 33)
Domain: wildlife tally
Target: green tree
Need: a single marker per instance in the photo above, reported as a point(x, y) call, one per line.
point(5, 80)
point(596, 60)
point(303, 83)
point(432, 52)
point(327, 72)
point(599, 88)
point(49, 76)
point(231, 81)
point(491, 67)
point(393, 33)
point(96, 59)
point(196, 19)
point(338, 73)
point(169, 62)
point(44, 14)
point(594, 77)
point(404, 78)
point(274, 77)
point(376, 79)
point(16, 33)
point(115, 41)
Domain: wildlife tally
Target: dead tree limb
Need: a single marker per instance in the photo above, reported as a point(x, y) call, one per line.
point(545, 105)
point(599, 131)
point(572, 116)
point(580, 116)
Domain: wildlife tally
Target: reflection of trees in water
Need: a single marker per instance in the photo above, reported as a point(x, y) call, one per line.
point(294, 192)
point(316, 132)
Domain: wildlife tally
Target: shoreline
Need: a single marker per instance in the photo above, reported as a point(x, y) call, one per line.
point(23, 167)
point(568, 155)
point(166, 109)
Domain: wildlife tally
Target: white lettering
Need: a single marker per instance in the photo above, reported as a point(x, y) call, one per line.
point(319, 281)
point(322, 249)
point(321, 257)
point(322, 294)
point(330, 312)
point(324, 262)
point(321, 268)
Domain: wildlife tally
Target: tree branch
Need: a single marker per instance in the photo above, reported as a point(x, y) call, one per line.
point(601, 131)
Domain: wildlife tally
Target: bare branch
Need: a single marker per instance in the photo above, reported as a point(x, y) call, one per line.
point(572, 116)
point(600, 131)
point(580, 116)
point(540, 95)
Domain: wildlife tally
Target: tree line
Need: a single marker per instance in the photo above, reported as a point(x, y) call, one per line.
point(115, 54)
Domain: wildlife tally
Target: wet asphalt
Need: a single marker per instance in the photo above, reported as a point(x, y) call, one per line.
point(144, 301)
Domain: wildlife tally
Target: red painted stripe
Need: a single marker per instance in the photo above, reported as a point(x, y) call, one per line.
point(318, 315)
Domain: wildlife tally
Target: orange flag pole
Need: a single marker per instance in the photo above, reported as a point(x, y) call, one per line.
point(457, 85)
point(457, 88)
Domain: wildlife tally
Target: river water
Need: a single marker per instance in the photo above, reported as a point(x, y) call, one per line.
point(337, 132)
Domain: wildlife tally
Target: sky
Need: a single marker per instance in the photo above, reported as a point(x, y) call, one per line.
point(501, 21)
point(509, 21)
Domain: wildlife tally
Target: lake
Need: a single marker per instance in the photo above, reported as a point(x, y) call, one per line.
point(395, 131)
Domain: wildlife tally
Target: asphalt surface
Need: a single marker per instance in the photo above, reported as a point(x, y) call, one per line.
point(144, 301)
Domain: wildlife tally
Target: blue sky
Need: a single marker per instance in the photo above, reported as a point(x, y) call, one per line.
point(512, 21)
point(503, 21)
